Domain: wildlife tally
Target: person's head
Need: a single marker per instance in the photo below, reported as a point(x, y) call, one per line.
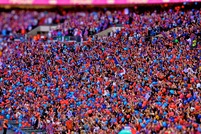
point(5, 120)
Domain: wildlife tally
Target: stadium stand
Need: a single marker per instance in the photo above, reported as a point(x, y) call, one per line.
point(143, 77)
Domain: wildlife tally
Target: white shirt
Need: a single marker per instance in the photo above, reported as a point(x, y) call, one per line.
point(96, 129)
point(198, 85)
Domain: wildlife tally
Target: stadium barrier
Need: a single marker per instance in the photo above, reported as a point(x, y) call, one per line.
point(41, 29)
point(109, 30)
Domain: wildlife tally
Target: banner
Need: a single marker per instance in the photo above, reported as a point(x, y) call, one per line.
point(88, 2)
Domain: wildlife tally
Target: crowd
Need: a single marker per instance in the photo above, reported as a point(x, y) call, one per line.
point(88, 23)
point(71, 23)
point(22, 21)
point(130, 78)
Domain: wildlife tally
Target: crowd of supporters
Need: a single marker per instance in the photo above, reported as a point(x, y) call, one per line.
point(146, 75)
